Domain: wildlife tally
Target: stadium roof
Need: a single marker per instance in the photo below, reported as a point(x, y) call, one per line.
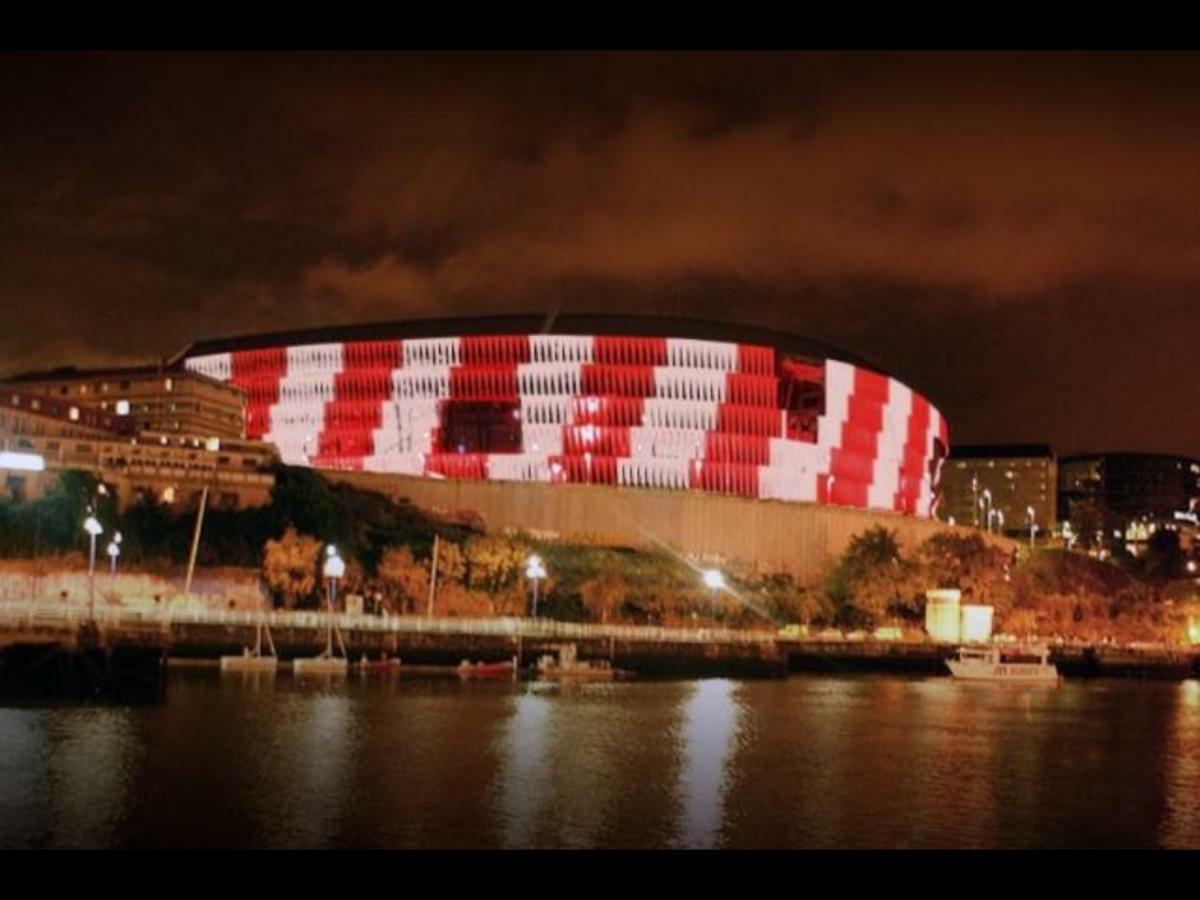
point(574, 323)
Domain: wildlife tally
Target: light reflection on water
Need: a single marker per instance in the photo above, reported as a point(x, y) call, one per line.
point(711, 716)
point(366, 761)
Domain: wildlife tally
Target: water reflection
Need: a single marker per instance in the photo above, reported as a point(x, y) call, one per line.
point(93, 756)
point(711, 718)
point(807, 762)
point(524, 767)
point(1181, 823)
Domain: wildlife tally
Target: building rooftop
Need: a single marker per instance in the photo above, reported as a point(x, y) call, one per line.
point(1000, 451)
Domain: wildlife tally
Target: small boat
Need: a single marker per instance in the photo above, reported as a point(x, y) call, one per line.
point(325, 662)
point(383, 664)
point(1004, 664)
point(506, 669)
point(253, 660)
point(586, 670)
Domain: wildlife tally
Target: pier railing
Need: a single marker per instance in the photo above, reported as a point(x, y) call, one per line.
point(52, 616)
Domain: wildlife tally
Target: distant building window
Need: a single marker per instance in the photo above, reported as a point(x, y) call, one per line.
point(122, 407)
point(169, 384)
point(73, 415)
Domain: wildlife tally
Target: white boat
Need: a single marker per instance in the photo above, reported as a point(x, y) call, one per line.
point(253, 660)
point(325, 662)
point(1031, 664)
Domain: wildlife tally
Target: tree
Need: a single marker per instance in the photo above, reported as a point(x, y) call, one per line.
point(1164, 558)
point(290, 566)
point(406, 579)
point(603, 595)
point(493, 562)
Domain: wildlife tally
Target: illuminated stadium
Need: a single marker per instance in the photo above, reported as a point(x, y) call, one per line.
point(647, 402)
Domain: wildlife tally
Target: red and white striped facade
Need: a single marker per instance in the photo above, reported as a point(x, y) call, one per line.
point(641, 412)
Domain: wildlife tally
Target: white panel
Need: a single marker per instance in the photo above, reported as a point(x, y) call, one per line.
point(693, 385)
point(694, 354)
point(654, 473)
point(561, 348)
point(542, 440)
point(310, 358)
point(549, 379)
point(423, 382)
point(423, 352)
point(885, 479)
point(546, 410)
point(518, 467)
point(216, 365)
point(662, 413)
point(668, 443)
point(792, 483)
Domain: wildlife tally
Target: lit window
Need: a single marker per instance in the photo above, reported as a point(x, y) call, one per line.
point(169, 384)
point(122, 407)
point(73, 414)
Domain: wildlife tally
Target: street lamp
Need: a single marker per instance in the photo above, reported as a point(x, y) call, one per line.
point(987, 498)
point(535, 572)
point(1032, 524)
point(714, 581)
point(999, 521)
point(93, 527)
point(114, 550)
point(975, 496)
point(335, 568)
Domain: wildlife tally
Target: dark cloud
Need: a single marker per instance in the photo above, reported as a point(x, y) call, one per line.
point(1017, 234)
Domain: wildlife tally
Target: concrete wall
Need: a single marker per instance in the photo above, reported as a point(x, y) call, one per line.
point(793, 537)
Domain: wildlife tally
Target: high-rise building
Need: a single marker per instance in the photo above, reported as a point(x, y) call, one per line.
point(1002, 487)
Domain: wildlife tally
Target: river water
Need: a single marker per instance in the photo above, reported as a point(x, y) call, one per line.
point(807, 762)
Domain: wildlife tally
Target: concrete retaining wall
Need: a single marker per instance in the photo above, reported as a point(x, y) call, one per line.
point(790, 537)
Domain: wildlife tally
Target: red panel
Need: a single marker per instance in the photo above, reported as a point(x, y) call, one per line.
point(723, 478)
point(497, 383)
point(916, 455)
point(629, 351)
point(497, 350)
point(752, 390)
point(755, 360)
point(378, 355)
point(846, 465)
point(870, 384)
point(596, 440)
point(621, 381)
point(622, 412)
point(463, 466)
point(743, 449)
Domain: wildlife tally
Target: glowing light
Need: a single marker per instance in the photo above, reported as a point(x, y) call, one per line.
point(92, 526)
point(713, 579)
point(122, 407)
point(534, 568)
point(22, 462)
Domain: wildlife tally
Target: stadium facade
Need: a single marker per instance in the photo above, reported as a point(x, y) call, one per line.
point(643, 402)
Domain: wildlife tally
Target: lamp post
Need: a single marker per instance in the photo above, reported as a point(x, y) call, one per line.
point(94, 529)
point(334, 568)
point(114, 551)
point(975, 496)
point(714, 581)
point(999, 521)
point(1029, 511)
point(535, 572)
point(987, 498)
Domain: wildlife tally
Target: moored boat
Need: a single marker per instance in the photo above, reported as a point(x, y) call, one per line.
point(506, 669)
point(1030, 664)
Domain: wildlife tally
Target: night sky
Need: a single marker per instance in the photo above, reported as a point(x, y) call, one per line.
point(1016, 235)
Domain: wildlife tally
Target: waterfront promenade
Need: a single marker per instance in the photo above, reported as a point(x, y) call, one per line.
point(647, 650)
